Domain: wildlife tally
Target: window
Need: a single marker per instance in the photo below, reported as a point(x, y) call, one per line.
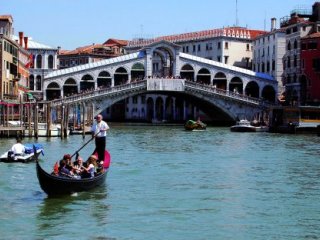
point(194, 48)
point(226, 59)
point(289, 46)
point(273, 65)
point(218, 58)
point(50, 62)
point(199, 48)
point(39, 61)
point(38, 83)
point(295, 61)
point(219, 45)
point(187, 49)
point(288, 62)
point(248, 47)
point(295, 44)
point(316, 64)
point(226, 45)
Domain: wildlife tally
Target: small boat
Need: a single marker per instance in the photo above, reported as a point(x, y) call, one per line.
point(59, 185)
point(29, 155)
point(195, 125)
point(55, 130)
point(245, 126)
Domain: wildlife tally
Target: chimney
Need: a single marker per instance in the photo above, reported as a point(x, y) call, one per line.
point(20, 38)
point(26, 43)
point(273, 24)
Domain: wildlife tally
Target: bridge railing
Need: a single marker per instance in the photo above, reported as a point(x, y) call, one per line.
point(99, 92)
point(222, 92)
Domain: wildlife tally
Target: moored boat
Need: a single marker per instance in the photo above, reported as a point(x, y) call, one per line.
point(61, 185)
point(30, 154)
point(195, 125)
point(245, 126)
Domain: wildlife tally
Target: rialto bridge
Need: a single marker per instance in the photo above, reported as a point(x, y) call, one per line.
point(161, 83)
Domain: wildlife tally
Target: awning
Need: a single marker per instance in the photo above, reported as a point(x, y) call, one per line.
point(30, 96)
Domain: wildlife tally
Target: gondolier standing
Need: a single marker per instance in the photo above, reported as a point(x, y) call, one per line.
point(99, 132)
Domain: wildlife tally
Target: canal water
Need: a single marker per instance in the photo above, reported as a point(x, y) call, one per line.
point(167, 183)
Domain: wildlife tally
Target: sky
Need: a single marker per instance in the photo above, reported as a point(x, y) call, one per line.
point(75, 23)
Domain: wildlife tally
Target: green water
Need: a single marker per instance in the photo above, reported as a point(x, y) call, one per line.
point(167, 183)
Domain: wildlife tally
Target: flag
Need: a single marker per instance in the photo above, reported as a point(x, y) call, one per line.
point(30, 61)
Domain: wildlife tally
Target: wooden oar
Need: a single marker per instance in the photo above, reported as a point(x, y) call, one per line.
point(76, 152)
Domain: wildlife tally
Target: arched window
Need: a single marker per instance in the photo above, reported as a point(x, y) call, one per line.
point(295, 44)
point(31, 82)
point(50, 62)
point(39, 61)
point(38, 83)
point(289, 46)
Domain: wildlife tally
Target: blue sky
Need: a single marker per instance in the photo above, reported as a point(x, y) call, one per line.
point(74, 23)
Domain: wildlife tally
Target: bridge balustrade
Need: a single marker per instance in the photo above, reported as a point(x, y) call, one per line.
point(221, 92)
point(100, 92)
point(143, 84)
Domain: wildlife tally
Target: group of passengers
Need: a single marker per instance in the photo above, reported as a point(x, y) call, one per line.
point(78, 169)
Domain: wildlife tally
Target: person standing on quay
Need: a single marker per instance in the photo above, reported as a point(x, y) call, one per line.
point(99, 132)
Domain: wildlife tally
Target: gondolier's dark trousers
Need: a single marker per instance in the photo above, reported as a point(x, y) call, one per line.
point(100, 147)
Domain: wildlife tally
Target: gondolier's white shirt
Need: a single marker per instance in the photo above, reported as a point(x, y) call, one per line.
point(18, 148)
point(100, 128)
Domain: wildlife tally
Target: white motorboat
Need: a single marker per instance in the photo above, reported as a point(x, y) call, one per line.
point(245, 126)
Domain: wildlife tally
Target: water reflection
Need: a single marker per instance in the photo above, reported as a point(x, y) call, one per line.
point(74, 212)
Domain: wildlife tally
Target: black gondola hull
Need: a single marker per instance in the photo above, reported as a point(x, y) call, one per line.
point(55, 185)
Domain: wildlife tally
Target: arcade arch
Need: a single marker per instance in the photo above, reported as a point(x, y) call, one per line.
point(187, 72)
point(252, 89)
point(53, 91)
point(70, 87)
point(236, 85)
point(220, 81)
point(120, 76)
point(104, 80)
point(86, 83)
point(204, 76)
point(137, 72)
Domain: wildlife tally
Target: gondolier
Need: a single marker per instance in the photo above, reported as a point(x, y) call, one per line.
point(99, 132)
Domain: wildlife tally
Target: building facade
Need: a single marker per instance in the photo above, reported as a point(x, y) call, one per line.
point(91, 53)
point(231, 45)
point(301, 23)
point(310, 68)
point(269, 50)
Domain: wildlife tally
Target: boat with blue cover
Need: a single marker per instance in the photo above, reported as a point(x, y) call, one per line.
point(29, 155)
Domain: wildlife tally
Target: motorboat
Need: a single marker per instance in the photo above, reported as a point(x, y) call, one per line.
point(30, 154)
point(245, 126)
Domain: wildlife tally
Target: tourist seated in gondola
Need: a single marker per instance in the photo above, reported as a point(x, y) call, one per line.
point(63, 170)
point(78, 165)
point(90, 170)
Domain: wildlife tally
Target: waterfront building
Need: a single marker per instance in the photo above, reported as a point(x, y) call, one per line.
point(269, 49)
point(301, 23)
point(91, 53)
point(310, 68)
point(14, 63)
point(43, 60)
point(230, 45)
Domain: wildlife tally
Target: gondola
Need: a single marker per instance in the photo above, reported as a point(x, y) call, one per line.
point(29, 155)
point(57, 185)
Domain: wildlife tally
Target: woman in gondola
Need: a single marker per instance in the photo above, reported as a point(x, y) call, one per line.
point(90, 170)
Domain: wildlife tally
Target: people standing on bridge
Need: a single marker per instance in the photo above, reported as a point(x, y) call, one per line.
point(99, 132)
